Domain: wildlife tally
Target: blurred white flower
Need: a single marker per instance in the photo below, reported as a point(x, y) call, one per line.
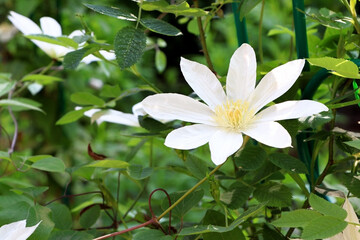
point(17, 230)
point(50, 27)
point(224, 117)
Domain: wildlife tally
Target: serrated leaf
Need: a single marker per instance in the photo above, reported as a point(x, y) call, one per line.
point(86, 98)
point(185, 205)
point(129, 45)
point(297, 218)
point(160, 26)
point(237, 194)
point(151, 234)
point(251, 158)
point(327, 208)
point(139, 172)
point(41, 79)
point(19, 103)
point(160, 61)
point(288, 162)
point(72, 116)
point(337, 66)
point(322, 227)
point(109, 164)
point(275, 194)
point(49, 164)
point(196, 166)
point(182, 9)
point(112, 12)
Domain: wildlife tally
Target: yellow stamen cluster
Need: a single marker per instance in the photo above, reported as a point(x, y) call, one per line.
point(235, 115)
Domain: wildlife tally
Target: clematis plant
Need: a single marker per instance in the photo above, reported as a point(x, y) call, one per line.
point(17, 230)
point(223, 118)
point(50, 27)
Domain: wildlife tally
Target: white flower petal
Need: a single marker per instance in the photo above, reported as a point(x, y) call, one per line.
point(269, 133)
point(76, 33)
point(25, 233)
point(223, 144)
point(114, 116)
point(50, 27)
point(290, 110)
point(190, 137)
point(241, 78)
point(170, 106)
point(276, 83)
point(24, 24)
point(203, 82)
point(17, 230)
point(138, 110)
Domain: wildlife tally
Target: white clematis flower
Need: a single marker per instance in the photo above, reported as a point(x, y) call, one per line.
point(351, 232)
point(17, 230)
point(50, 27)
point(225, 117)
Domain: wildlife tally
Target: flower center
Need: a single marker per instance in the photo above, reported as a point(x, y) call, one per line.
point(235, 115)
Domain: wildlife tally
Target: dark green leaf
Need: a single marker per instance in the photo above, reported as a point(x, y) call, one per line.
point(112, 12)
point(33, 192)
point(90, 216)
point(129, 45)
point(275, 194)
point(288, 162)
point(139, 172)
point(73, 59)
point(237, 194)
point(86, 98)
point(251, 158)
point(160, 26)
point(327, 208)
point(151, 124)
point(196, 166)
point(151, 234)
point(61, 216)
point(246, 6)
point(70, 235)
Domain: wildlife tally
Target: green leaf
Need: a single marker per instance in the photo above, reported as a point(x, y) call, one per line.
point(68, 42)
point(327, 208)
point(351, 183)
point(47, 39)
point(275, 194)
point(251, 158)
point(160, 61)
point(328, 18)
point(151, 234)
point(73, 59)
point(182, 9)
point(134, 150)
point(112, 12)
point(5, 87)
point(61, 216)
point(86, 98)
point(200, 229)
point(288, 162)
point(151, 124)
point(297, 218)
point(246, 6)
point(72, 116)
point(139, 172)
point(33, 192)
point(196, 166)
point(338, 66)
point(185, 205)
point(70, 235)
point(323, 227)
point(5, 156)
point(48, 164)
point(41, 79)
point(5, 77)
point(160, 26)
point(107, 163)
point(213, 217)
point(19, 103)
point(110, 91)
point(281, 30)
point(90, 216)
point(129, 45)
point(237, 194)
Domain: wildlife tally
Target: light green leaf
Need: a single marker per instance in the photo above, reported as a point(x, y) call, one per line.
point(72, 116)
point(47, 39)
point(337, 66)
point(68, 41)
point(196, 166)
point(151, 234)
point(297, 218)
point(112, 12)
point(160, 61)
point(48, 164)
point(322, 227)
point(288, 162)
point(160, 26)
point(61, 216)
point(129, 45)
point(19, 103)
point(246, 6)
point(251, 158)
point(33, 192)
point(86, 98)
point(327, 208)
point(182, 9)
point(275, 194)
point(41, 79)
point(139, 172)
point(107, 163)
point(281, 30)
point(354, 144)
point(110, 91)
point(5, 87)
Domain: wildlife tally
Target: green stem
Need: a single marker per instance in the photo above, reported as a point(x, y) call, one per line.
point(296, 177)
point(261, 54)
point(139, 14)
point(188, 192)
